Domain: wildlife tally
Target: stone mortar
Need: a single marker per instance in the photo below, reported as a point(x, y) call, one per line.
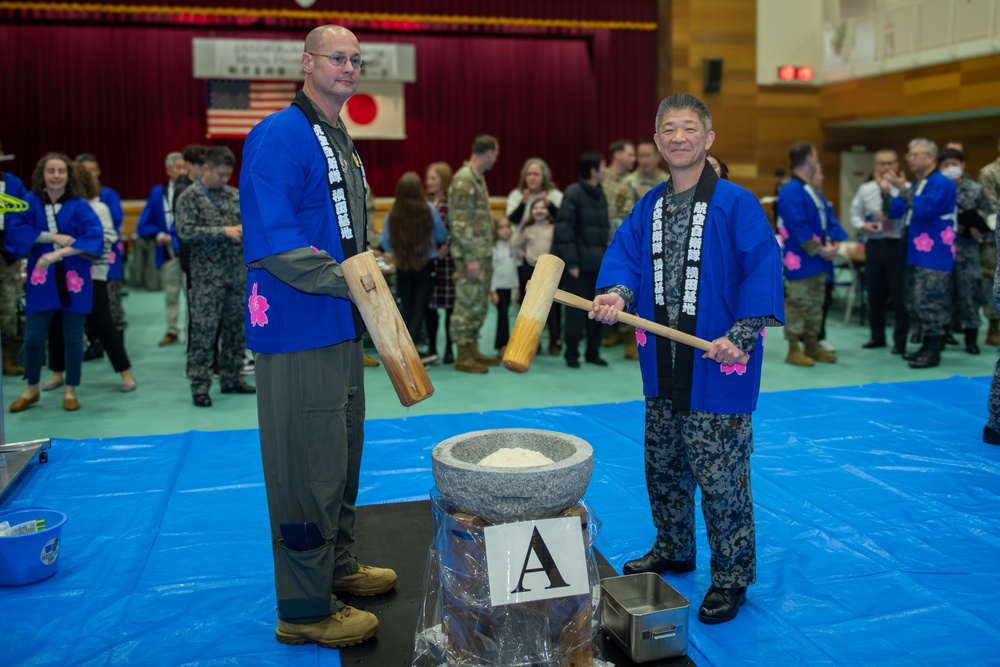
point(501, 495)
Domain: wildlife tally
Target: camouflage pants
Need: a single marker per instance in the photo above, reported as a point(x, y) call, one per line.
point(932, 299)
point(10, 294)
point(804, 306)
point(215, 308)
point(988, 259)
point(472, 300)
point(685, 450)
point(908, 298)
point(993, 402)
point(967, 277)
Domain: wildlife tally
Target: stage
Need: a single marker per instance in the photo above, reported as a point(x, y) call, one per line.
point(876, 530)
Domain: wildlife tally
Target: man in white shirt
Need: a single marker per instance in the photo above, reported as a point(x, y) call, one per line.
point(885, 260)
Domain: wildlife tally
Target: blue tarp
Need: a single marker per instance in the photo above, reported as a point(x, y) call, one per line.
point(878, 533)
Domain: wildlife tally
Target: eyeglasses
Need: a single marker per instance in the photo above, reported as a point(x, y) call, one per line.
point(886, 163)
point(911, 155)
point(338, 60)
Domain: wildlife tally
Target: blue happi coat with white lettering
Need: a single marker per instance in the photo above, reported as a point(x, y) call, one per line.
point(740, 278)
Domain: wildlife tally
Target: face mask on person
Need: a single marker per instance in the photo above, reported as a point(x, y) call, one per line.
point(952, 173)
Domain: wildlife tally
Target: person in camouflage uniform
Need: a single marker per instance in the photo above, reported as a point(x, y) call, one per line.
point(630, 190)
point(991, 432)
point(208, 219)
point(11, 286)
point(640, 181)
point(472, 237)
point(811, 234)
point(972, 210)
point(697, 248)
point(989, 178)
point(620, 165)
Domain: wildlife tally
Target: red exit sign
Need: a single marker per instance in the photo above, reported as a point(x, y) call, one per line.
point(794, 73)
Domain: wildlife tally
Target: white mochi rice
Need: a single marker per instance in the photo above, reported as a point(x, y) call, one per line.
point(515, 457)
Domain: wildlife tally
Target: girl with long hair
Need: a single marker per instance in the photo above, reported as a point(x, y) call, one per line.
point(534, 240)
point(412, 233)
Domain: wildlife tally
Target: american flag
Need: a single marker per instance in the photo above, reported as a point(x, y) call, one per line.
point(234, 107)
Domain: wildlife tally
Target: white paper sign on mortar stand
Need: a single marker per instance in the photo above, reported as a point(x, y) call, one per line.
point(536, 560)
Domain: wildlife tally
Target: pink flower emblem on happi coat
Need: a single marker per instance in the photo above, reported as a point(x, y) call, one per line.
point(948, 236)
point(923, 243)
point(783, 232)
point(640, 336)
point(792, 261)
point(817, 239)
point(314, 248)
point(258, 308)
point(74, 283)
point(39, 276)
point(112, 257)
point(738, 368)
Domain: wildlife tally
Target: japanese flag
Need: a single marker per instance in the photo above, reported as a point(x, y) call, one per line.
point(376, 111)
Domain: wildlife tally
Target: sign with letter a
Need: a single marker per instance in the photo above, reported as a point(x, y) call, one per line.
point(536, 560)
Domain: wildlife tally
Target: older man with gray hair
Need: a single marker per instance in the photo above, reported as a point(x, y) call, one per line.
point(927, 207)
point(156, 227)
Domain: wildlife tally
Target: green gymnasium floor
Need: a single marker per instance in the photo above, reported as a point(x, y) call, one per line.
point(162, 403)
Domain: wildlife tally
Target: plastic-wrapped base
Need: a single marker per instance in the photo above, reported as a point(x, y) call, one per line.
point(459, 627)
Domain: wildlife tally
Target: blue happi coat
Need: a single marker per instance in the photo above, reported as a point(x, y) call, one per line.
point(116, 258)
point(77, 219)
point(153, 220)
point(740, 278)
point(798, 222)
point(930, 232)
point(285, 205)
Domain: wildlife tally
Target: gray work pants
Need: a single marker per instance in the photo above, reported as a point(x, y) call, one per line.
point(311, 412)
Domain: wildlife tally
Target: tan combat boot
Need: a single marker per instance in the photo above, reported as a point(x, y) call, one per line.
point(993, 333)
point(631, 349)
point(466, 361)
point(482, 358)
point(370, 362)
point(367, 580)
point(814, 351)
point(347, 627)
point(9, 367)
point(613, 338)
point(796, 357)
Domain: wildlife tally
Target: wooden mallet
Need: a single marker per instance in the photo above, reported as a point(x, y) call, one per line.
point(542, 290)
point(382, 319)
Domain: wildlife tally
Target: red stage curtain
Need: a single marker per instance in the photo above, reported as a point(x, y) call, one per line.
point(127, 94)
point(239, 12)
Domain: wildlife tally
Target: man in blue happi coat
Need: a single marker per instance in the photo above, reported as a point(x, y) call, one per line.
point(697, 254)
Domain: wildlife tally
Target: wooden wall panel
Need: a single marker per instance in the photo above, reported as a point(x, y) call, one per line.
point(756, 125)
point(957, 86)
point(726, 29)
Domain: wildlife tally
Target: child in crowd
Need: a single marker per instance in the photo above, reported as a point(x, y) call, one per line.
point(533, 240)
point(504, 283)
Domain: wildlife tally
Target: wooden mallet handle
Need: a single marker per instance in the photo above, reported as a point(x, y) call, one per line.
point(574, 301)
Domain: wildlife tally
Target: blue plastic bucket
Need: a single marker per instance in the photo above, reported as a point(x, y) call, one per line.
point(27, 559)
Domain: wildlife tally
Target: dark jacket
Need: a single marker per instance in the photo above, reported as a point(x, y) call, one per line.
point(582, 228)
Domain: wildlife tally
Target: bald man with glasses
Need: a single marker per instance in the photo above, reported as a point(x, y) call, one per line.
point(302, 198)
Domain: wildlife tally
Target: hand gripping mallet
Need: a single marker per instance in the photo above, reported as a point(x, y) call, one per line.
point(378, 309)
point(542, 290)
